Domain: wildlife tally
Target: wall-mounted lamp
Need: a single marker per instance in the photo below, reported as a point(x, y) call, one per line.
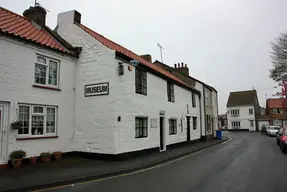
point(121, 69)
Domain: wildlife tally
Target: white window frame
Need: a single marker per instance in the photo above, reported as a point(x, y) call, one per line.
point(235, 124)
point(44, 114)
point(233, 112)
point(47, 71)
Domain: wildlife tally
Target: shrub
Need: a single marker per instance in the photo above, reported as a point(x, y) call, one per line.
point(18, 154)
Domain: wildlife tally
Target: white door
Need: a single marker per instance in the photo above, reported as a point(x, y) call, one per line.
point(3, 131)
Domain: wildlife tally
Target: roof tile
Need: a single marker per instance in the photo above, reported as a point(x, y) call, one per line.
point(20, 26)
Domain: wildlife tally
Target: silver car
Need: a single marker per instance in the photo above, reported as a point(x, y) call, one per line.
point(272, 130)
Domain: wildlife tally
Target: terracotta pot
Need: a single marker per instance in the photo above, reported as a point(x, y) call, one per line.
point(46, 159)
point(57, 156)
point(32, 160)
point(17, 163)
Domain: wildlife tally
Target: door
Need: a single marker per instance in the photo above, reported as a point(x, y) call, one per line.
point(2, 135)
point(188, 129)
point(161, 126)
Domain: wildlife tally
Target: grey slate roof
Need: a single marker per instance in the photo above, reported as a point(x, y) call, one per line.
point(242, 98)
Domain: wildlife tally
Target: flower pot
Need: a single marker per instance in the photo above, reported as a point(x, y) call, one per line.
point(17, 163)
point(57, 156)
point(46, 159)
point(32, 160)
point(17, 126)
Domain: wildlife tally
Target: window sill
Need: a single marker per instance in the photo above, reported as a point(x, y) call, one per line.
point(141, 137)
point(33, 138)
point(46, 87)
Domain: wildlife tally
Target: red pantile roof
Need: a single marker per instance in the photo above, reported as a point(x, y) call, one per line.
point(114, 46)
point(274, 103)
point(19, 26)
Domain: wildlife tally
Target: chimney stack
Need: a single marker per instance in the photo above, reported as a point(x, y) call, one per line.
point(69, 17)
point(147, 57)
point(182, 68)
point(36, 14)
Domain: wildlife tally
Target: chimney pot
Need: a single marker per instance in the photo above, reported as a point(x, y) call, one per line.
point(36, 14)
point(182, 64)
point(185, 65)
point(174, 65)
point(178, 65)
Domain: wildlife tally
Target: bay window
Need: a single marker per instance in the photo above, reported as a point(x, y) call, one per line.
point(37, 120)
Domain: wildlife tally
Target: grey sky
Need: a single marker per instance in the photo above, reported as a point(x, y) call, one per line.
point(225, 43)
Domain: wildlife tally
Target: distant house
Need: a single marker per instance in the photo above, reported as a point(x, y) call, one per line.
point(275, 111)
point(242, 108)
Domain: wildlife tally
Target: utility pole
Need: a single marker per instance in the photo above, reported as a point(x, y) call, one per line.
point(161, 48)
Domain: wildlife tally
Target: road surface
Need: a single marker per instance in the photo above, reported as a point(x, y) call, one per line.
point(249, 162)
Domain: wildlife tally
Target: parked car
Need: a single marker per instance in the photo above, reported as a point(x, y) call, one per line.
point(279, 134)
point(283, 140)
point(264, 129)
point(272, 130)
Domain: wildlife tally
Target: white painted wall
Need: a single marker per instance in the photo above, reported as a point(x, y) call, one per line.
point(128, 105)
point(244, 117)
point(97, 127)
point(214, 110)
point(16, 80)
point(199, 87)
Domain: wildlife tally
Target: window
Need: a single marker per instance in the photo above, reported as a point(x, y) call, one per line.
point(172, 126)
point(181, 125)
point(251, 123)
point(277, 111)
point(141, 82)
point(193, 100)
point(46, 71)
point(194, 122)
point(250, 111)
point(277, 122)
point(170, 92)
point(141, 127)
point(37, 120)
point(234, 112)
point(235, 124)
point(208, 123)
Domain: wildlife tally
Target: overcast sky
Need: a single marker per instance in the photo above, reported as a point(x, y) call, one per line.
point(225, 43)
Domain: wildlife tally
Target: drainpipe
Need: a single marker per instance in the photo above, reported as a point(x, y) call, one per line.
point(204, 111)
point(200, 116)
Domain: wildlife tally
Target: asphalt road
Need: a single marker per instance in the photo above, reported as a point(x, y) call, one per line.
point(249, 162)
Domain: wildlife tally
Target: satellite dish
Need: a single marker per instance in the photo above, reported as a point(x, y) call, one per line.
point(134, 62)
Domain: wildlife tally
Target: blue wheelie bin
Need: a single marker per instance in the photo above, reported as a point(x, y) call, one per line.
point(218, 134)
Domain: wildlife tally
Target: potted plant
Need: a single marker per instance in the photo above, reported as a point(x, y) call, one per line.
point(16, 124)
point(17, 157)
point(45, 157)
point(57, 155)
point(32, 160)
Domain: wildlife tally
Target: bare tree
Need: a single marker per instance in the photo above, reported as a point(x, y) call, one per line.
point(279, 57)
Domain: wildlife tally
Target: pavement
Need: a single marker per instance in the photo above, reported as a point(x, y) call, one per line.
point(248, 162)
point(75, 169)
